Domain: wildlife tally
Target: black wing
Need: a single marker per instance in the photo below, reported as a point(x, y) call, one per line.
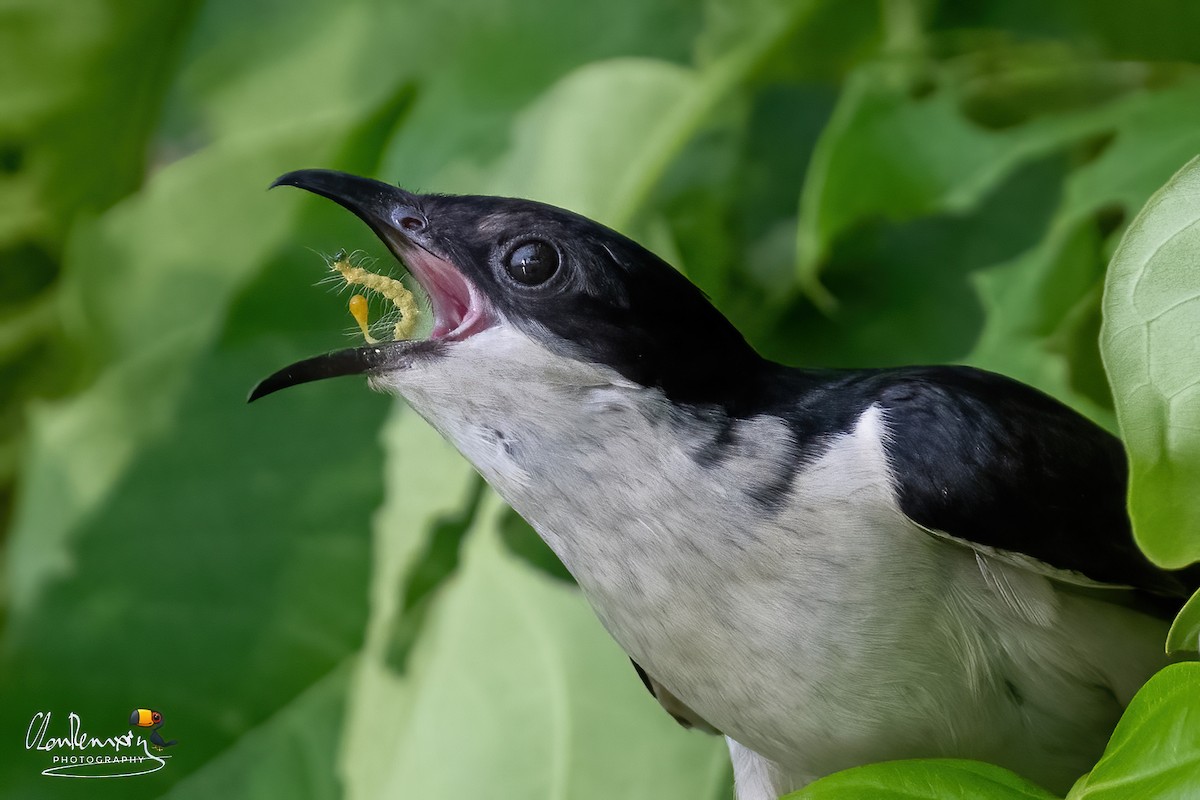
point(986, 459)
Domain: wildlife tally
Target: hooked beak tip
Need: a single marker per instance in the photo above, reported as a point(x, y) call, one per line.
point(357, 361)
point(259, 391)
point(293, 178)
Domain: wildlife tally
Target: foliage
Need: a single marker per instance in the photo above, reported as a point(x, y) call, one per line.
point(1152, 311)
point(315, 590)
point(931, 778)
point(1154, 750)
point(1151, 320)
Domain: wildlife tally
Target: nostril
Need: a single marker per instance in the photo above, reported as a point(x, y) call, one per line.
point(412, 223)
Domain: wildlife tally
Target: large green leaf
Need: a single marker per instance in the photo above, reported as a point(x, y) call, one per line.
point(191, 540)
point(936, 779)
point(1151, 350)
point(191, 584)
point(1155, 750)
point(290, 754)
point(78, 450)
point(892, 151)
point(425, 480)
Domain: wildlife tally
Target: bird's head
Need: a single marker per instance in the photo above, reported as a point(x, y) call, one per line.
point(521, 291)
point(145, 718)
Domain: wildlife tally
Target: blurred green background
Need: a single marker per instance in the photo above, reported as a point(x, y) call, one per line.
point(317, 592)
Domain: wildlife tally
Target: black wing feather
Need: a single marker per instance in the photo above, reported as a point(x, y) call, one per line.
point(989, 460)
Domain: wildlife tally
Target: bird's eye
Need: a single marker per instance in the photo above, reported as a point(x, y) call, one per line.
point(157, 717)
point(532, 262)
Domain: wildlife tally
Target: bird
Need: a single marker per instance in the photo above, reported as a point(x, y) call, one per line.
point(828, 567)
point(149, 718)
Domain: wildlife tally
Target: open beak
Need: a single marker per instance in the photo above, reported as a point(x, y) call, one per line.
point(459, 310)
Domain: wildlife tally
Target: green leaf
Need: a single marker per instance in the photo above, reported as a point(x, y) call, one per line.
point(82, 85)
point(254, 69)
point(716, 81)
point(291, 754)
point(1155, 749)
point(146, 287)
point(189, 584)
point(1042, 307)
point(1035, 304)
point(575, 146)
point(1151, 351)
point(75, 77)
point(934, 779)
point(1184, 636)
point(429, 572)
point(905, 290)
point(891, 153)
point(426, 480)
point(601, 139)
point(522, 541)
point(471, 86)
point(78, 450)
point(168, 540)
point(169, 258)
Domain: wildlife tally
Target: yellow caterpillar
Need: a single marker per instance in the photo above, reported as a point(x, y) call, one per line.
point(390, 288)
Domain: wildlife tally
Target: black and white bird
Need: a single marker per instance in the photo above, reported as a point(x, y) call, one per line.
point(828, 567)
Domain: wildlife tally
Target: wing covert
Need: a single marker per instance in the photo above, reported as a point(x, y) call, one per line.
point(985, 459)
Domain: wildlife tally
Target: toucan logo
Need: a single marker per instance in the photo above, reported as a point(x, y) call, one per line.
point(77, 753)
point(149, 718)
